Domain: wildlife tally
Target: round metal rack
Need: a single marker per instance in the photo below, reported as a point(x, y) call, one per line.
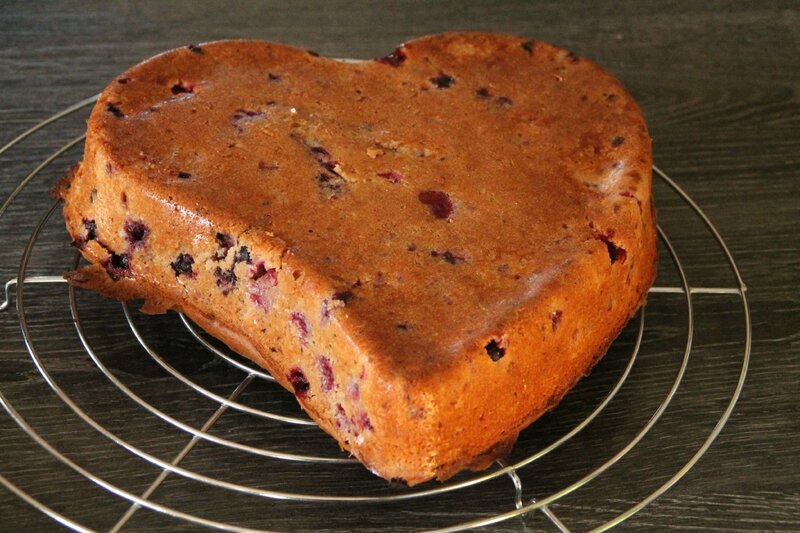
point(389, 498)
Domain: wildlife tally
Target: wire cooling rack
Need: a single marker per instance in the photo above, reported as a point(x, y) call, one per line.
point(330, 480)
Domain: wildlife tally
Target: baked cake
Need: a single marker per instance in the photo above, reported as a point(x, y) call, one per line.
point(429, 249)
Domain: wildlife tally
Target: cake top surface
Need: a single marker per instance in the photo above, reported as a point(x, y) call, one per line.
point(443, 186)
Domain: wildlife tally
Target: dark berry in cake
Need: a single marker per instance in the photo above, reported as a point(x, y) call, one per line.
point(89, 233)
point(528, 46)
point(183, 265)
point(117, 265)
point(495, 350)
point(241, 114)
point(226, 280)
point(136, 232)
point(343, 296)
point(225, 241)
point(180, 88)
point(242, 255)
point(91, 229)
point(448, 256)
point(116, 111)
point(395, 59)
point(299, 382)
point(329, 183)
point(443, 81)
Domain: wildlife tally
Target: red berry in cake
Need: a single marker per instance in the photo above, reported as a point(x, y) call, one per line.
point(555, 318)
point(300, 323)
point(264, 165)
point(325, 312)
point(263, 281)
point(353, 391)
point(258, 271)
point(326, 373)
point(340, 417)
point(392, 176)
point(439, 203)
point(363, 422)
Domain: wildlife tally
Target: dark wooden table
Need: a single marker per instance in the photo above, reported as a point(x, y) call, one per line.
point(719, 83)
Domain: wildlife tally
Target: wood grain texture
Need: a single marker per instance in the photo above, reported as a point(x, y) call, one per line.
point(719, 83)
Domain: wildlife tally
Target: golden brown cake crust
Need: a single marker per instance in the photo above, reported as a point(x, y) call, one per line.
point(430, 249)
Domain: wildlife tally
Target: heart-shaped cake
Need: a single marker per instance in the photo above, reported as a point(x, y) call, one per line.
point(429, 249)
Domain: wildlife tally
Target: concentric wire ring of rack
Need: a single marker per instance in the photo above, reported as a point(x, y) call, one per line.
point(517, 505)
